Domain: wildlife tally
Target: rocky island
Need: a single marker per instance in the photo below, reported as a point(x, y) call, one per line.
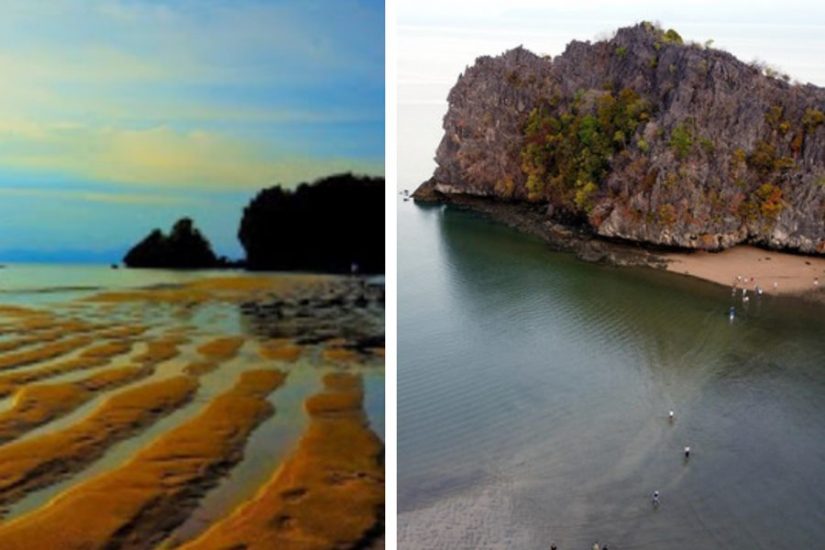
point(627, 148)
point(184, 248)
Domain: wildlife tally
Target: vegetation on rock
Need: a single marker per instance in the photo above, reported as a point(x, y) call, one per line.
point(567, 150)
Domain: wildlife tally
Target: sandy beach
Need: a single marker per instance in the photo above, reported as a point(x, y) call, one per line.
point(200, 380)
point(774, 272)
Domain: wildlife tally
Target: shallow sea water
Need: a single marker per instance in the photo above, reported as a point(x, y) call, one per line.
point(534, 391)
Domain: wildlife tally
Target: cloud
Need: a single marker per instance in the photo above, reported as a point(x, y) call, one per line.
point(234, 94)
point(161, 156)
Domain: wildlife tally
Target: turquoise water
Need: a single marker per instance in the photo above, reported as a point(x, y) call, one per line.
point(534, 391)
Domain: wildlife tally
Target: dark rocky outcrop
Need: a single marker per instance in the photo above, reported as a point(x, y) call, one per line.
point(346, 308)
point(642, 138)
point(184, 248)
point(325, 226)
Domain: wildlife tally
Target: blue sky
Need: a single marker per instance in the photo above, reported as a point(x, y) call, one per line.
point(118, 117)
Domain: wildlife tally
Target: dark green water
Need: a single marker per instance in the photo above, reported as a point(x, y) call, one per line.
point(533, 394)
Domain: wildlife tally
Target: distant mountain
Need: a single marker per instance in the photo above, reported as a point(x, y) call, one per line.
point(644, 138)
point(61, 256)
point(332, 225)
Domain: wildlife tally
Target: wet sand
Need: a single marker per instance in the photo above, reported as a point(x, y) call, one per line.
point(38, 404)
point(792, 273)
point(32, 463)
point(41, 353)
point(280, 349)
point(137, 505)
point(126, 414)
point(328, 493)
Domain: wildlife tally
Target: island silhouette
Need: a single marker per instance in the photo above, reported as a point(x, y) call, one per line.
point(333, 225)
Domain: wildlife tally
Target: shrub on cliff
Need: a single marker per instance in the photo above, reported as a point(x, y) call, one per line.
point(324, 226)
point(184, 248)
point(567, 150)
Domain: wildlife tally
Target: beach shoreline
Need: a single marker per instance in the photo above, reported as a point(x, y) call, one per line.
point(749, 267)
point(794, 273)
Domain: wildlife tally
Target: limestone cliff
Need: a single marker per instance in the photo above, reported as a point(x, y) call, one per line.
point(642, 137)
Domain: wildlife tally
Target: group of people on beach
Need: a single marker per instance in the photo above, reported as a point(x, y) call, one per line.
point(744, 282)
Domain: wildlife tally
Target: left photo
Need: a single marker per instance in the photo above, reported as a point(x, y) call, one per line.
point(192, 293)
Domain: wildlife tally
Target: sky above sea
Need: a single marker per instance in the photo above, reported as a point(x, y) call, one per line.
point(121, 116)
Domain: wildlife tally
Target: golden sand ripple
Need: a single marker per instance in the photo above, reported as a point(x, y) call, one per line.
point(328, 494)
point(29, 464)
point(135, 505)
point(38, 404)
point(222, 348)
point(280, 349)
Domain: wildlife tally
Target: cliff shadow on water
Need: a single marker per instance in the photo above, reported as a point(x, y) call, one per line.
point(669, 321)
point(471, 244)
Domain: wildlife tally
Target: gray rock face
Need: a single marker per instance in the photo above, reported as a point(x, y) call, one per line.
point(752, 168)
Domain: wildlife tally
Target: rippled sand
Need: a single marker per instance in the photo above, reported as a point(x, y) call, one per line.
point(155, 417)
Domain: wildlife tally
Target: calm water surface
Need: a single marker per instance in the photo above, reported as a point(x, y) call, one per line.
point(534, 391)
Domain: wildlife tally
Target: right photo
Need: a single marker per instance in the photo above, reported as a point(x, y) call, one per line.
point(611, 260)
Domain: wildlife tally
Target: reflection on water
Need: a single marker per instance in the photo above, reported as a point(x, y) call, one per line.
point(534, 390)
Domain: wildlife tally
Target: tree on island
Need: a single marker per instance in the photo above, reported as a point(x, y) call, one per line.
point(326, 226)
point(184, 248)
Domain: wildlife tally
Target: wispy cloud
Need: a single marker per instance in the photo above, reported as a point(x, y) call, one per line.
point(161, 156)
point(233, 94)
